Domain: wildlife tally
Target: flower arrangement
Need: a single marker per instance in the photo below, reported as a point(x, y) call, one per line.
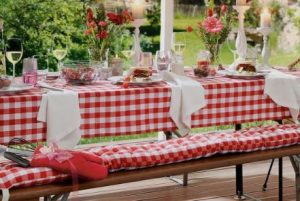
point(215, 27)
point(103, 30)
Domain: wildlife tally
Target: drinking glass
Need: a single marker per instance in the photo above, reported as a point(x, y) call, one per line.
point(59, 51)
point(163, 60)
point(14, 52)
point(178, 43)
point(42, 66)
point(146, 60)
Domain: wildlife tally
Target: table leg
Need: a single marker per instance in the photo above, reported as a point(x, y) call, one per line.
point(280, 186)
point(295, 160)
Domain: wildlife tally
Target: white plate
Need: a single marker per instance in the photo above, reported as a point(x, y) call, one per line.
point(17, 88)
point(151, 80)
point(237, 75)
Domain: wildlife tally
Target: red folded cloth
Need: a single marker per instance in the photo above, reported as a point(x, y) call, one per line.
point(76, 163)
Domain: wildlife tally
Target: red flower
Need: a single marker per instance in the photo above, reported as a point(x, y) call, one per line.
point(210, 12)
point(189, 29)
point(90, 15)
point(224, 8)
point(91, 24)
point(127, 17)
point(102, 23)
point(116, 19)
point(87, 32)
point(102, 35)
point(213, 25)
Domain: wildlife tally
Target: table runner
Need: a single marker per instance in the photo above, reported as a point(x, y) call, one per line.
point(110, 110)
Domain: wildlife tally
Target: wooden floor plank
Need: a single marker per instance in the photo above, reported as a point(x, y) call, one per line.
point(213, 185)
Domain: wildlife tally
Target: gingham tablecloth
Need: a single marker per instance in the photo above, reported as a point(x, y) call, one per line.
point(110, 110)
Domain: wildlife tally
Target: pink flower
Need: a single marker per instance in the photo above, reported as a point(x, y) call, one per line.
point(102, 23)
point(90, 15)
point(91, 24)
point(213, 25)
point(224, 8)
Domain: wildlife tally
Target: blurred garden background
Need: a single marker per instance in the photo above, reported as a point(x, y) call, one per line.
point(38, 23)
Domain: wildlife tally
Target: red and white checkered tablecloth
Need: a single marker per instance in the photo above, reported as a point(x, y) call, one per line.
point(110, 110)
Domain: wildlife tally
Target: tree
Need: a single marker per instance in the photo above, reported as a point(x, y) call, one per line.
point(38, 22)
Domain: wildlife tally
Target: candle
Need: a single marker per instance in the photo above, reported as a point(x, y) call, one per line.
point(241, 2)
point(138, 9)
point(265, 18)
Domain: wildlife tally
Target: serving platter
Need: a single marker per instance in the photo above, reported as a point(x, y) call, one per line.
point(238, 75)
point(139, 81)
point(16, 88)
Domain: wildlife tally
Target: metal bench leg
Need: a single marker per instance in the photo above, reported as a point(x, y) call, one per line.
point(295, 160)
point(239, 194)
point(264, 188)
point(280, 180)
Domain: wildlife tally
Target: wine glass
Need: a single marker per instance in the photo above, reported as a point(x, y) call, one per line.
point(14, 52)
point(163, 60)
point(59, 51)
point(146, 60)
point(178, 43)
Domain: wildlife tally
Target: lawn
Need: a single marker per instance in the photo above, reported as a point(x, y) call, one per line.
point(277, 58)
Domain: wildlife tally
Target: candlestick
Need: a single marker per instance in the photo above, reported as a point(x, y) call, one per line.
point(265, 18)
point(241, 40)
point(138, 9)
point(137, 23)
point(265, 51)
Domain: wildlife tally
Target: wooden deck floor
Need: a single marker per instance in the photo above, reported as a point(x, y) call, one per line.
point(213, 185)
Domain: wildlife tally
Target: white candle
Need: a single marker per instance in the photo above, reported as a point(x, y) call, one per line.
point(138, 8)
point(265, 18)
point(241, 2)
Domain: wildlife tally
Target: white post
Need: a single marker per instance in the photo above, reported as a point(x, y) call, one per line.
point(167, 17)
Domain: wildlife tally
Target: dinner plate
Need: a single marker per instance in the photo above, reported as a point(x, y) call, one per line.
point(151, 80)
point(17, 88)
point(237, 75)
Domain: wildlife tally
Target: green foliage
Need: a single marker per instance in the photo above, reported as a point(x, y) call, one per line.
point(38, 22)
point(153, 15)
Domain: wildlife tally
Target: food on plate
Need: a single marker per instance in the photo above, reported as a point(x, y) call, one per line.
point(139, 74)
point(246, 66)
point(5, 82)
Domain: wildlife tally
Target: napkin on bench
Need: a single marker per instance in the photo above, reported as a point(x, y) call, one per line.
point(60, 110)
point(187, 97)
point(284, 90)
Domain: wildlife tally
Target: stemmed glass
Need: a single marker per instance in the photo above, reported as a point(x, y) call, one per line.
point(163, 60)
point(146, 60)
point(178, 43)
point(59, 51)
point(14, 52)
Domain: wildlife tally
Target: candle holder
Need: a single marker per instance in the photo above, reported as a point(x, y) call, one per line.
point(137, 23)
point(241, 40)
point(265, 31)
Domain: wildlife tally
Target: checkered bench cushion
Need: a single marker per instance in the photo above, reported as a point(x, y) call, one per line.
point(119, 157)
point(14, 176)
point(133, 156)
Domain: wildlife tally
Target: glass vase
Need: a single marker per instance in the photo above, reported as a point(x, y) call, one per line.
point(214, 50)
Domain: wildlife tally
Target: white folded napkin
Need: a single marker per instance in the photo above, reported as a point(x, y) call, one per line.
point(187, 97)
point(60, 110)
point(284, 90)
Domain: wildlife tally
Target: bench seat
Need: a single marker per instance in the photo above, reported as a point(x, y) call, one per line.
point(157, 159)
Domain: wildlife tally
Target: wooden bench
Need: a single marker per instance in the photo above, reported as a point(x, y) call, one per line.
point(60, 189)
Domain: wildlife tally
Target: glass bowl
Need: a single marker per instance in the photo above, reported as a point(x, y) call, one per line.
point(5, 81)
point(78, 72)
